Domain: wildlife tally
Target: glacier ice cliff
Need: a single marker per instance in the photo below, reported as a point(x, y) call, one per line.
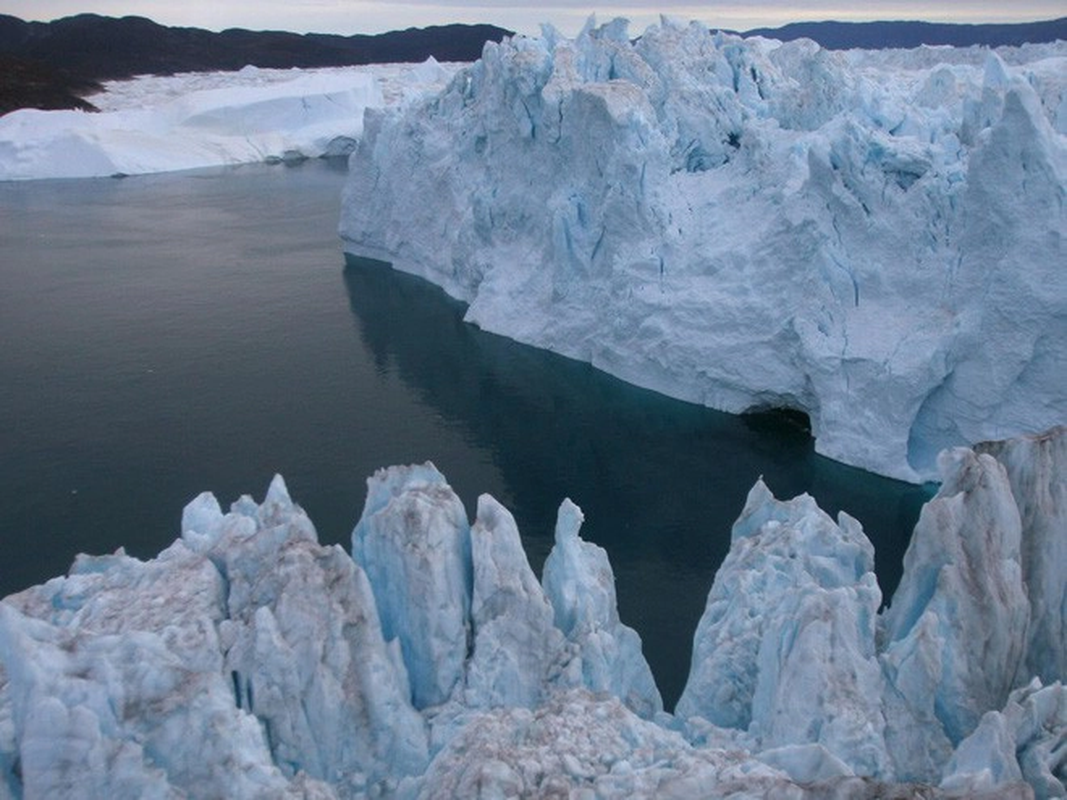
point(786, 646)
point(247, 660)
point(875, 240)
point(193, 120)
point(475, 626)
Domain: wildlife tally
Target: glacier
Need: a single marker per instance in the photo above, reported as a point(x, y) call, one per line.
point(194, 120)
point(873, 239)
point(248, 660)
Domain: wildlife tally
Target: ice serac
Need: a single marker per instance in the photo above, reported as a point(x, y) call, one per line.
point(956, 630)
point(475, 628)
point(1036, 468)
point(103, 690)
point(747, 224)
point(581, 586)
point(304, 647)
point(273, 651)
point(414, 542)
point(245, 660)
point(785, 649)
point(517, 649)
point(1023, 742)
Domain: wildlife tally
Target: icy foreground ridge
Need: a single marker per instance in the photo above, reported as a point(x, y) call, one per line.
point(745, 224)
point(247, 660)
point(158, 124)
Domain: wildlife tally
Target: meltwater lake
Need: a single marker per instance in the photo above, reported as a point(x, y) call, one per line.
point(169, 334)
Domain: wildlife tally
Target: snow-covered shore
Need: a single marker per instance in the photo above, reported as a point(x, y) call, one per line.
point(875, 239)
point(247, 660)
point(159, 124)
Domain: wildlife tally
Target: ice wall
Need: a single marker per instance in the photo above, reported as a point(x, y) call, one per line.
point(163, 123)
point(791, 652)
point(749, 224)
point(786, 646)
point(475, 626)
point(247, 660)
point(1035, 467)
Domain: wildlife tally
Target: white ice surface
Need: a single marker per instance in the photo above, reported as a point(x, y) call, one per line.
point(517, 650)
point(1035, 468)
point(414, 542)
point(785, 649)
point(581, 587)
point(875, 239)
point(1024, 742)
point(157, 124)
point(247, 660)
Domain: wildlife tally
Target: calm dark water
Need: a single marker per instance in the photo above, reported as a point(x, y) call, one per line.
point(171, 334)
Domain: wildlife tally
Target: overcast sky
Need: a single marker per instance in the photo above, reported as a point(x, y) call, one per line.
point(354, 16)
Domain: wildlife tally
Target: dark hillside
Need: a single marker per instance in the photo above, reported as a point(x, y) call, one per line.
point(33, 84)
point(86, 48)
point(105, 47)
point(905, 35)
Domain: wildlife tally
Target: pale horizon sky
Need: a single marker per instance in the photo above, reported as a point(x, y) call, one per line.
point(355, 16)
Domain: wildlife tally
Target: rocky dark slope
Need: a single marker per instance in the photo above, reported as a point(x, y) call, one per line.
point(34, 84)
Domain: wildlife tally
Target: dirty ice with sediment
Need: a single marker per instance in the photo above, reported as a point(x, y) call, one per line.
point(248, 660)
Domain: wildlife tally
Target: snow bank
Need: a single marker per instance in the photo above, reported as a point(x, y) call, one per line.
point(745, 224)
point(156, 124)
point(248, 660)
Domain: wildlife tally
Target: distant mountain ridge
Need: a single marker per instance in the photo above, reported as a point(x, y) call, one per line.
point(909, 34)
point(98, 47)
point(56, 64)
